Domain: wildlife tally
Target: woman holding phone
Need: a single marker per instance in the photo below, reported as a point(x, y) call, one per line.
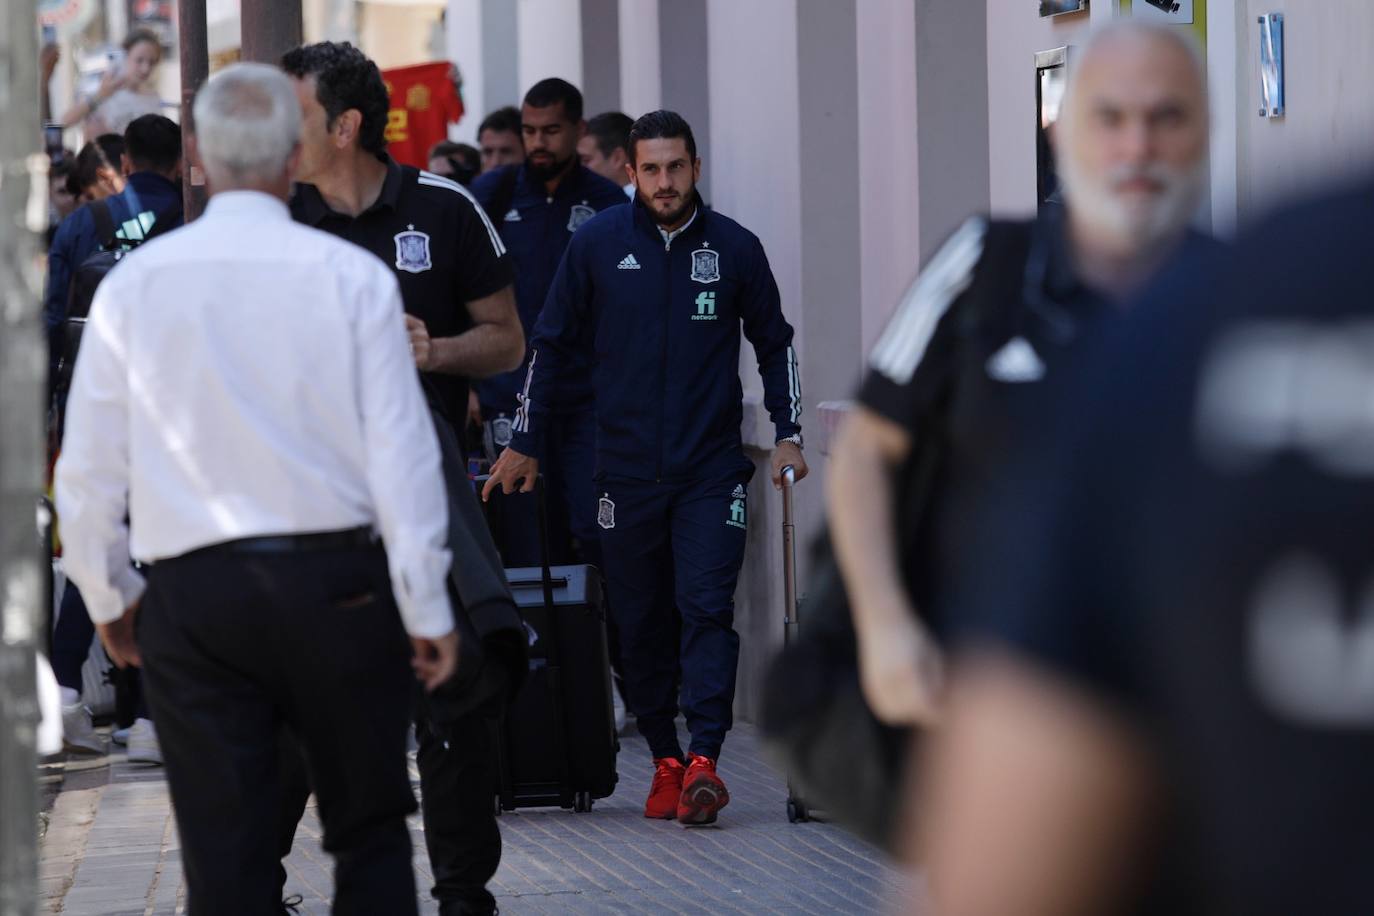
point(126, 92)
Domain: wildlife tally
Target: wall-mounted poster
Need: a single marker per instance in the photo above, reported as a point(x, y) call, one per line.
point(1060, 7)
point(1178, 12)
point(1190, 14)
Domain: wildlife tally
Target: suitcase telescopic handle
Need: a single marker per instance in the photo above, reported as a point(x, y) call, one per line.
point(789, 556)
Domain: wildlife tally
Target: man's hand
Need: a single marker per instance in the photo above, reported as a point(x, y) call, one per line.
point(119, 641)
point(901, 670)
point(435, 659)
point(474, 410)
point(421, 346)
point(510, 469)
point(784, 454)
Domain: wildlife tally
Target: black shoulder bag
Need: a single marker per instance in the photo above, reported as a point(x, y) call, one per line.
point(815, 719)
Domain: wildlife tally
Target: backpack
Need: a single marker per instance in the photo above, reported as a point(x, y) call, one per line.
point(85, 279)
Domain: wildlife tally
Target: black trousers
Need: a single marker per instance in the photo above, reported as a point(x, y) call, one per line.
point(458, 795)
point(237, 647)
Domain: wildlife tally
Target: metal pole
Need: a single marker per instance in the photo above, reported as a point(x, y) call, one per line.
point(789, 557)
point(195, 66)
point(23, 362)
point(270, 28)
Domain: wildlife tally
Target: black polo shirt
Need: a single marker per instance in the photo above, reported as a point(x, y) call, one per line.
point(444, 250)
point(962, 376)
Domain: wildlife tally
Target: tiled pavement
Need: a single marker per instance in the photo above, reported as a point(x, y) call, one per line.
point(110, 848)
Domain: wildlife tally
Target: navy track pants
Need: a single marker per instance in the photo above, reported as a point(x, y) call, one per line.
point(676, 544)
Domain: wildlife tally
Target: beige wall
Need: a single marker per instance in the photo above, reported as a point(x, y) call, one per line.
point(1328, 132)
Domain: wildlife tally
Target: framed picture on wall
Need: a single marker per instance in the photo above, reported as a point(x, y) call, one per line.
point(1060, 7)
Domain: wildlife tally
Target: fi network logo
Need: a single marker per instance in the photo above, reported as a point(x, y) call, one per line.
point(706, 306)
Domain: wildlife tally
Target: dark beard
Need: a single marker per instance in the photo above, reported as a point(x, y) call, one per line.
point(688, 201)
point(550, 171)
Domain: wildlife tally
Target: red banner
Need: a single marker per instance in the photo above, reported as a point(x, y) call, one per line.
point(424, 102)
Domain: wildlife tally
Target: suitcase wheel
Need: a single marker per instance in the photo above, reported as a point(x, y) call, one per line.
point(582, 802)
point(796, 811)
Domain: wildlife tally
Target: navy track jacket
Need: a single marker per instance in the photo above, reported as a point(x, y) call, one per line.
point(662, 321)
point(536, 228)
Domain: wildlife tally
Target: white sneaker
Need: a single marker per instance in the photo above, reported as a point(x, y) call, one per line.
point(143, 746)
point(78, 732)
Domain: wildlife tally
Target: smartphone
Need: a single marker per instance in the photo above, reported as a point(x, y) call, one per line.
point(52, 142)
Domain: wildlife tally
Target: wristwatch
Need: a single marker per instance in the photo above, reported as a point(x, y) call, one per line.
point(795, 439)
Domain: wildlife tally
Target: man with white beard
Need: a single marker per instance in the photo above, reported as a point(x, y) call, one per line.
point(957, 383)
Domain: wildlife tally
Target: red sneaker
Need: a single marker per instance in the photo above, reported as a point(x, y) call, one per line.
point(666, 789)
point(703, 793)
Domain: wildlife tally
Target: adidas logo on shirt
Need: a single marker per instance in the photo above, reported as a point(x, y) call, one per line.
point(629, 263)
point(1017, 362)
point(513, 216)
point(739, 491)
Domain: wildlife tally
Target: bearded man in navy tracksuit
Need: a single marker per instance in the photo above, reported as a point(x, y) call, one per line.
point(536, 208)
point(655, 295)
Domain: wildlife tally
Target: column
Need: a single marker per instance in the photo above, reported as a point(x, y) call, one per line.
point(887, 160)
point(600, 56)
point(952, 93)
point(501, 54)
point(463, 25)
point(641, 79)
point(684, 39)
point(270, 28)
point(550, 40)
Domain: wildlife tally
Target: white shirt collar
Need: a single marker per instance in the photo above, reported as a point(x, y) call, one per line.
point(669, 236)
point(247, 203)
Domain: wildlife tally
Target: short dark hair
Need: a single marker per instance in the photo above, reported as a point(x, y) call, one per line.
point(462, 153)
point(502, 120)
point(140, 35)
point(153, 144)
point(344, 78)
point(662, 125)
point(444, 148)
point(554, 91)
point(611, 131)
point(104, 152)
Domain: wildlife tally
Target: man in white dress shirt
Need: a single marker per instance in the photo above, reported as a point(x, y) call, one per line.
point(247, 394)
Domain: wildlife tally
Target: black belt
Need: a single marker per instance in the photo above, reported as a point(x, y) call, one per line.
point(294, 543)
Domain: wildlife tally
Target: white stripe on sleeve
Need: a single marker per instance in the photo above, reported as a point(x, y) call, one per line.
point(431, 180)
point(521, 424)
point(903, 344)
point(793, 385)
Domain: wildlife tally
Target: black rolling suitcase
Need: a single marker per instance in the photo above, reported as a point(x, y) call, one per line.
point(557, 745)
